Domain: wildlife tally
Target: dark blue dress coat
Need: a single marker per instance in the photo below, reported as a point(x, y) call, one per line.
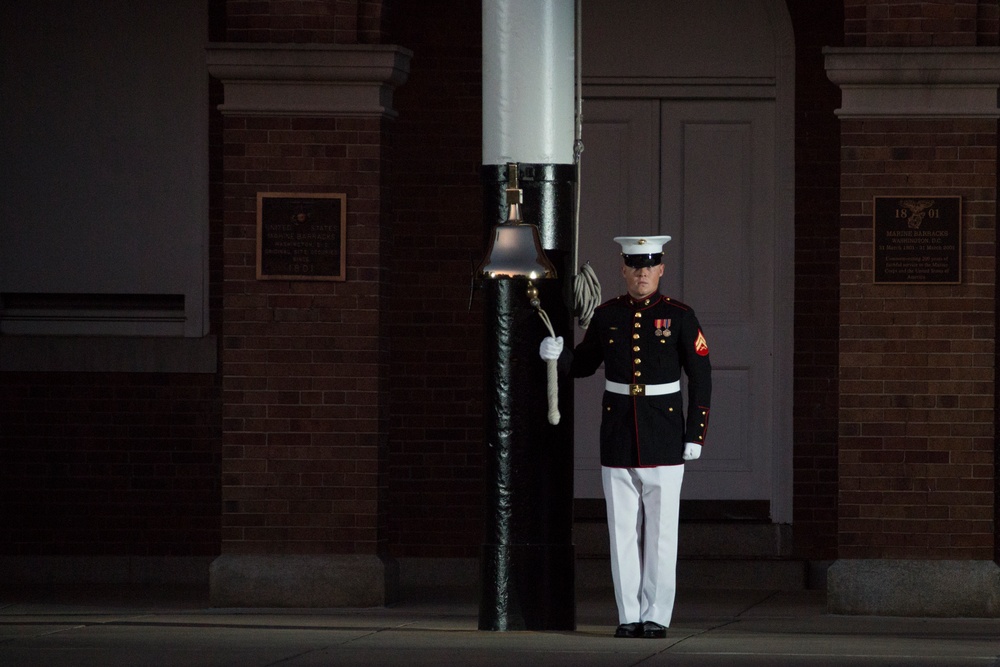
point(647, 342)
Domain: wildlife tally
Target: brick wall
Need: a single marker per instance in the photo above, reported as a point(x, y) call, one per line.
point(436, 372)
point(435, 462)
point(305, 21)
point(875, 23)
point(303, 361)
point(323, 428)
point(817, 283)
point(109, 464)
point(988, 23)
point(917, 361)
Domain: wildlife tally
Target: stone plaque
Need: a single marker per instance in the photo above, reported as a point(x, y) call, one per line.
point(301, 236)
point(918, 239)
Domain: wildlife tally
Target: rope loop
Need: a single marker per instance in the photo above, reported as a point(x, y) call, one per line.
point(587, 293)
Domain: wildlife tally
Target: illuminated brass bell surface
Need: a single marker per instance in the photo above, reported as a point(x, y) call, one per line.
point(515, 249)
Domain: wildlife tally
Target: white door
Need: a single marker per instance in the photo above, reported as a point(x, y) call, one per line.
point(619, 195)
point(717, 190)
point(704, 173)
point(688, 131)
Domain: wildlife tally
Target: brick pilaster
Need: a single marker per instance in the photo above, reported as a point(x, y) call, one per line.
point(305, 362)
point(917, 387)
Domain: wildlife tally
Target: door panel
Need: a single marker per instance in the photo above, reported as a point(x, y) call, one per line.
point(619, 196)
point(718, 195)
point(706, 191)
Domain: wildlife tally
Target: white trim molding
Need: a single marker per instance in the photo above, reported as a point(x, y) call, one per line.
point(932, 82)
point(314, 80)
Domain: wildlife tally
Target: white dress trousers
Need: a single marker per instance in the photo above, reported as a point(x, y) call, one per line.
point(642, 523)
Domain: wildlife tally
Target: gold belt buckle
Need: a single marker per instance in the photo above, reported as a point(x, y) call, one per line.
point(637, 390)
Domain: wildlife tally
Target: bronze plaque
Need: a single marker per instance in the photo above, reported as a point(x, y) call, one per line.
point(918, 240)
point(301, 236)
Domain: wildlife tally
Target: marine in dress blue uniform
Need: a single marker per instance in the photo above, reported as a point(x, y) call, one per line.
point(645, 341)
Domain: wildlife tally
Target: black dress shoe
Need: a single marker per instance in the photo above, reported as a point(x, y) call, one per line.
point(651, 630)
point(629, 630)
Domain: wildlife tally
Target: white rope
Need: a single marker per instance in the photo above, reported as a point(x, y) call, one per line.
point(552, 388)
point(587, 294)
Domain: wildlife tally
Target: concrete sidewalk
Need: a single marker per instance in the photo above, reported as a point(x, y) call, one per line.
point(106, 628)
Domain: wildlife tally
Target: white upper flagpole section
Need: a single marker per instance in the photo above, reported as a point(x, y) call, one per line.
point(528, 81)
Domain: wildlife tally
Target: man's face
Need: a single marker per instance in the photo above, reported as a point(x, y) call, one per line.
point(643, 281)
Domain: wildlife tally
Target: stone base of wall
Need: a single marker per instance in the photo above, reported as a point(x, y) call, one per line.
point(189, 571)
point(254, 580)
point(944, 588)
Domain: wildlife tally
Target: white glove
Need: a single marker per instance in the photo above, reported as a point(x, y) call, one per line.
point(551, 348)
point(692, 450)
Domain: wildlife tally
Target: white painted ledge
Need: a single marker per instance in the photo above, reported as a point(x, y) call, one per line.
point(933, 82)
point(316, 80)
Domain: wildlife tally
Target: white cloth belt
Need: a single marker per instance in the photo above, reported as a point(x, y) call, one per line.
point(642, 389)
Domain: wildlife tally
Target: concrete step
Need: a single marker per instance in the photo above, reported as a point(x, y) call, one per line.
point(712, 555)
point(429, 577)
point(715, 573)
point(737, 540)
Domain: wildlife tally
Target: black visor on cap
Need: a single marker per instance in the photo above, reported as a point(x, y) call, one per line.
point(642, 261)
